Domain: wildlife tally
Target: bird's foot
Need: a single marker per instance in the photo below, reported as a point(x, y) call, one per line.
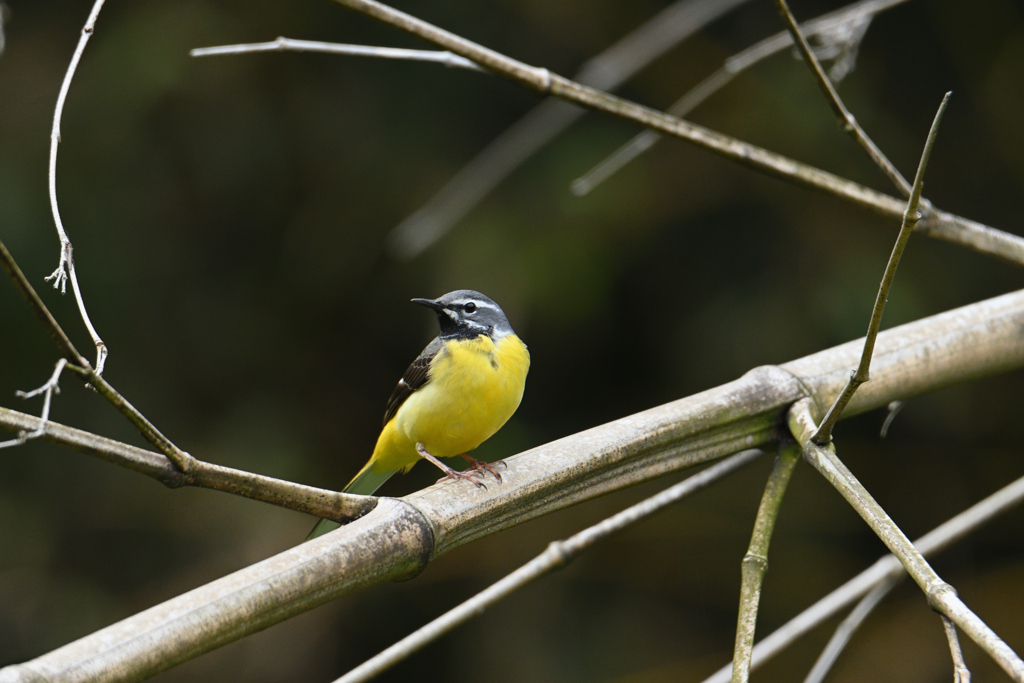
point(468, 476)
point(479, 466)
point(448, 471)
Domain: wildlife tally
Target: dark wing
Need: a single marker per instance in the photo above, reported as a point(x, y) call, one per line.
point(414, 378)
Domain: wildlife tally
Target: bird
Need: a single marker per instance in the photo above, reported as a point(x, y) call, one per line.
point(459, 391)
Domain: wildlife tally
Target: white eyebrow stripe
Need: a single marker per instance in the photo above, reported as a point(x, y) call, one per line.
point(480, 304)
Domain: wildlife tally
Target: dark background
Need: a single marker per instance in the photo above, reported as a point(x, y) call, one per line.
point(229, 218)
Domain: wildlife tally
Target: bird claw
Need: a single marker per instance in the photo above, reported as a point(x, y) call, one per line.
point(479, 466)
point(455, 475)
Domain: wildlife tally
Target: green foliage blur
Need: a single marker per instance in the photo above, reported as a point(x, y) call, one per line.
point(229, 217)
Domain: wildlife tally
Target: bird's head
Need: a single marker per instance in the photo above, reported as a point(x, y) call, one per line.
point(466, 314)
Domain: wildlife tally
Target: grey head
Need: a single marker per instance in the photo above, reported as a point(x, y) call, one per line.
point(464, 314)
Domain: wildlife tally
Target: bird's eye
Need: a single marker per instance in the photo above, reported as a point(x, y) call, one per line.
point(470, 307)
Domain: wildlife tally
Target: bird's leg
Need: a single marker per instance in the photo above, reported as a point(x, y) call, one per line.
point(479, 465)
point(449, 472)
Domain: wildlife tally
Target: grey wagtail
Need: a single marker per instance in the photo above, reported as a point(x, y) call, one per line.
point(460, 391)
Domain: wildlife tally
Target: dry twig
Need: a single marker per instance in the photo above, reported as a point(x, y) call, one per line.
point(79, 365)
point(282, 44)
point(910, 218)
point(66, 268)
point(846, 120)
point(286, 494)
point(175, 467)
point(961, 674)
point(48, 390)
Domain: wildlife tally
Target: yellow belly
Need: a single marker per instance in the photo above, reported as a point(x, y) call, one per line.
point(473, 388)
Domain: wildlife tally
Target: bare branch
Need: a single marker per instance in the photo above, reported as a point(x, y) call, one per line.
point(307, 499)
point(910, 217)
point(825, 28)
point(961, 674)
point(755, 562)
point(79, 365)
point(941, 596)
point(846, 120)
point(884, 570)
point(66, 267)
point(557, 555)
point(1007, 246)
point(48, 390)
point(282, 44)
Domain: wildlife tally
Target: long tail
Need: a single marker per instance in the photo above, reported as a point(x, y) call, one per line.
point(365, 483)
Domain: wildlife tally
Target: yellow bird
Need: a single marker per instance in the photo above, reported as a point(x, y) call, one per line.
point(460, 390)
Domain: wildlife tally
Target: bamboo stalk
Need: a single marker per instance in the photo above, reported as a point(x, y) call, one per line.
point(400, 536)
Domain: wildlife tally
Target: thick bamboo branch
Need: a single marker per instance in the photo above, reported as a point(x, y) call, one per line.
point(1008, 247)
point(941, 596)
point(980, 339)
point(557, 555)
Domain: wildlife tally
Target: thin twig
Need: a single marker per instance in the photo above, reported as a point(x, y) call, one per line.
point(66, 267)
point(282, 44)
point(845, 630)
point(910, 218)
point(885, 569)
point(961, 674)
point(79, 365)
point(306, 499)
point(557, 555)
point(846, 120)
point(755, 562)
point(941, 596)
point(823, 26)
point(48, 390)
point(957, 230)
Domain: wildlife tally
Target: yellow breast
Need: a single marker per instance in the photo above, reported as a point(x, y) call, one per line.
point(473, 388)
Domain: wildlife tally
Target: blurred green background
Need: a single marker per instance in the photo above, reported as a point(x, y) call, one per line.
point(229, 217)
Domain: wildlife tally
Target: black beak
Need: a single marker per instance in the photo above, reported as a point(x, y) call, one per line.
point(429, 303)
